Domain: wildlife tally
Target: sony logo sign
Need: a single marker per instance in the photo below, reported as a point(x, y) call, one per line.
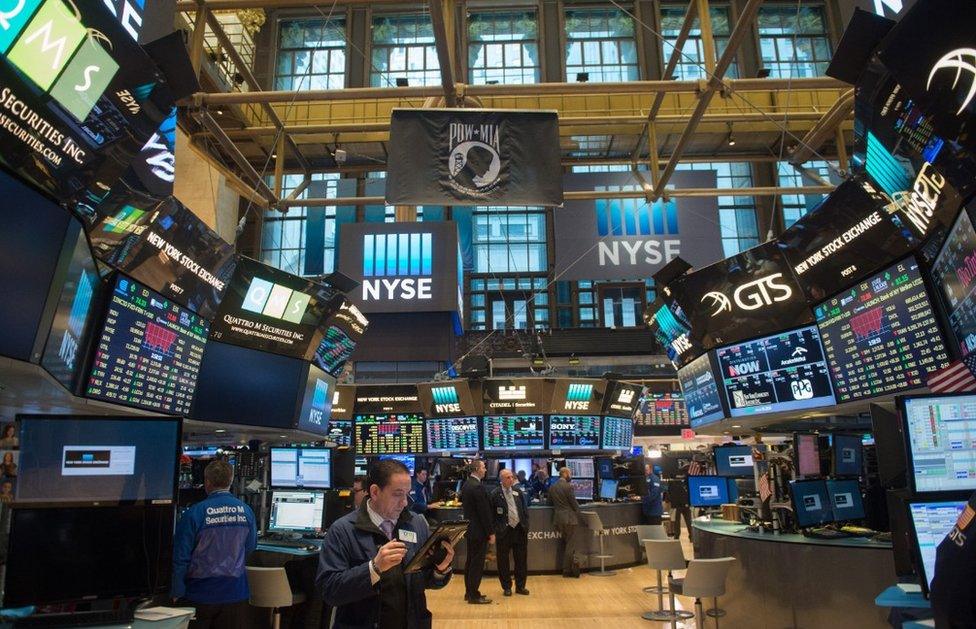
point(397, 288)
point(563, 426)
point(753, 295)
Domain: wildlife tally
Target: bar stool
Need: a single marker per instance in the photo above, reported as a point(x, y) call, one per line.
point(593, 522)
point(652, 531)
point(667, 555)
point(705, 578)
point(269, 588)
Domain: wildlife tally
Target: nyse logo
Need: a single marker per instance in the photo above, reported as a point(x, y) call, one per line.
point(319, 397)
point(802, 389)
point(512, 393)
point(401, 266)
point(960, 60)
point(763, 292)
point(445, 399)
point(49, 44)
point(578, 397)
point(275, 301)
point(919, 204)
point(631, 232)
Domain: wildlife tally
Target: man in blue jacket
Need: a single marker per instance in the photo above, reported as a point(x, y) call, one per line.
point(362, 561)
point(212, 540)
point(420, 492)
point(652, 504)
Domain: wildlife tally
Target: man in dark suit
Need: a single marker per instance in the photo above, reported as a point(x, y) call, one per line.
point(566, 520)
point(477, 511)
point(512, 532)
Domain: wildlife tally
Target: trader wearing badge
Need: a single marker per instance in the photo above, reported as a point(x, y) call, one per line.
point(511, 532)
point(954, 584)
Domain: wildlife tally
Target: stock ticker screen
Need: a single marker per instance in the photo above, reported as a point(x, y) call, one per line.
point(514, 432)
point(783, 372)
point(618, 433)
point(149, 352)
point(698, 385)
point(574, 432)
point(661, 409)
point(940, 438)
point(396, 433)
point(954, 272)
point(452, 434)
point(881, 336)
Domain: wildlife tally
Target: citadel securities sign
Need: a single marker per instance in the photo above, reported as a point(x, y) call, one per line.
point(474, 157)
point(401, 267)
point(607, 239)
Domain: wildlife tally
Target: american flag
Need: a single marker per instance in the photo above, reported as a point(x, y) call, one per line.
point(958, 377)
point(765, 487)
point(696, 468)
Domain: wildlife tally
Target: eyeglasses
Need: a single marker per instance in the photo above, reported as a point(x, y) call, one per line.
point(356, 491)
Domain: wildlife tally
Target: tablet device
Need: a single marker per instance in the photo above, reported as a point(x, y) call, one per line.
point(451, 531)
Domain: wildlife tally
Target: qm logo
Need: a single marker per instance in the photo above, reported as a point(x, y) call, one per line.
point(578, 397)
point(275, 301)
point(46, 41)
point(400, 266)
point(631, 231)
point(319, 402)
point(445, 400)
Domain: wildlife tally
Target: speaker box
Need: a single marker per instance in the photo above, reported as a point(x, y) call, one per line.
point(475, 367)
point(342, 282)
point(863, 34)
point(170, 55)
point(671, 271)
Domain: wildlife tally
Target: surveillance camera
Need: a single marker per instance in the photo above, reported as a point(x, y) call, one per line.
point(340, 156)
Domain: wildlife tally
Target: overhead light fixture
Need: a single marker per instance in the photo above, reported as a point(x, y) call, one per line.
point(283, 436)
point(574, 360)
point(763, 73)
point(220, 430)
point(730, 140)
point(491, 82)
point(736, 426)
point(402, 82)
point(582, 77)
point(220, 112)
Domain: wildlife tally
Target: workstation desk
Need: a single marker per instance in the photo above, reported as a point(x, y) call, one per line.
point(620, 520)
point(788, 580)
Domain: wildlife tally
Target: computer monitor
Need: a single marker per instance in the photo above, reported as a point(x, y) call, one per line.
point(78, 458)
point(847, 455)
point(608, 489)
point(523, 465)
point(296, 511)
point(301, 467)
point(361, 466)
point(806, 454)
point(581, 468)
point(711, 491)
point(734, 461)
point(582, 488)
point(409, 461)
point(940, 449)
point(811, 503)
point(845, 499)
point(604, 466)
point(931, 522)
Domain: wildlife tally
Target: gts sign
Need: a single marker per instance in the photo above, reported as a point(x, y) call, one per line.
point(751, 296)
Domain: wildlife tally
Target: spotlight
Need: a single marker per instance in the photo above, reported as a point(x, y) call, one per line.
point(730, 140)
point(582, 77)
point(763, 73)
point(401, 82)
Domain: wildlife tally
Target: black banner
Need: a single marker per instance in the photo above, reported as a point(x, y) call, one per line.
point(474, 157)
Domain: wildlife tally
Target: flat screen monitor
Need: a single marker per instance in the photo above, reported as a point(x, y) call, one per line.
point(953, 275)
point(711, 491)
point(582, 488)
point(660, 409)
point(806, 452)
point(313, 416)
point(340, 432)
point(523, 465)
point(881, 336)
point(79, 458)
point(845, 499)
point(514, 432)
point(941, 448)
point(702, 398)
point(582, 468)
point(393, 433)
point(452, 434)
point(618, 433)
point(604, 465)
point(71, 542)
point(847, 455)
point(410, 462)
point(782, 372)
point(811, 503)
point(149, 351)
point(361, 466)
point(301, 467)
point(574, 432)
point(296, 511)
point(734, 461)
point(931, 522)
point(608, 489)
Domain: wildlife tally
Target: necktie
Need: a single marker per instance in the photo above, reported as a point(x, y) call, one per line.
point(387, 527)
point(513, 517)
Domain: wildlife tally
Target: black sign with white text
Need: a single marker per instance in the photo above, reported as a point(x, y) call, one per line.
point(521, 395)
point(396, 398)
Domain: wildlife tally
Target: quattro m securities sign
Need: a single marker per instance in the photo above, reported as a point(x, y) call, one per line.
point(618, 239)
point(474, 157)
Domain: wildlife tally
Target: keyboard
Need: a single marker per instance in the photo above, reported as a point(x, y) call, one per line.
point(288, 543)
point(122, 616)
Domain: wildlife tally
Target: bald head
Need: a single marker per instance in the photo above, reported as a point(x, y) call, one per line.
point(506, 478)
point(565, 473)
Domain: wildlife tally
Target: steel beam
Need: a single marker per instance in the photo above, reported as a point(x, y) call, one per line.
point(823, 130)
point(205, 119)
point(197, 39)
point(743, 28)
point(442, 18)
point(708, 42)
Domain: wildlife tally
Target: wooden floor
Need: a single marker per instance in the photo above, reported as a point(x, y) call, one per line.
point(587, 602)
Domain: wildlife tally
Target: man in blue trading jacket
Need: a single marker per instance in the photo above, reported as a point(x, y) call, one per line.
point(419, 492)
point(362, 561)
point(652, 505)
point(954, 585)
point(212, 540)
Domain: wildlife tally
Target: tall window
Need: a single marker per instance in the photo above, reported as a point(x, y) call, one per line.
point(736, 214)
point(796, 205)
point(509, 240)
point(601, 43)
point(691, 62)
point(793, 40)
point(508, 303)
point(283, 241)
point(503, 47)
point(311, 55)
point(403, 48)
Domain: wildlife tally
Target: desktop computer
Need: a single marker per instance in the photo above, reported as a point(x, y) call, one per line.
point(608, 489)
point(301, 512)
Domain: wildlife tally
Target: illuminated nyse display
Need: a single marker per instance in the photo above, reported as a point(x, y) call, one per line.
point(514, 432)
point(149, 353)
point(452, 434)
point(661, 409)
point(574, 431)
point(881, 336)
point(618, 433)
point(954, 272)
point(390, 434)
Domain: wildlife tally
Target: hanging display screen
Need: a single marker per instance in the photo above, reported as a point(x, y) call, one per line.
point(954, 276)
point(574, 432)
point(783, 372)
point(514, 432)
point(698, 385)
point(390, 434)
point(661, 409)
point(881, 336)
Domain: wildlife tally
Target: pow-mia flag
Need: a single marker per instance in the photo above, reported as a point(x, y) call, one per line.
point(474, 157)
